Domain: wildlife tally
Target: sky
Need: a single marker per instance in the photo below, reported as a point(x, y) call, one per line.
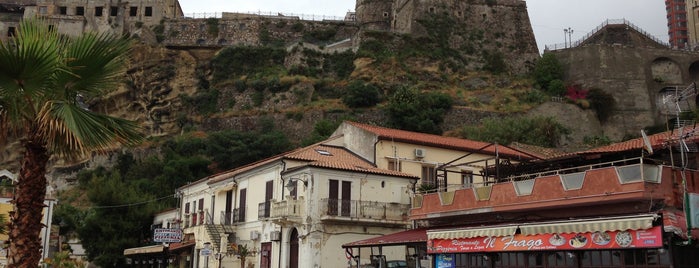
point(548, 17)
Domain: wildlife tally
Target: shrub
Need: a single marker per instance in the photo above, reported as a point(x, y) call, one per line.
point(540, 131)
point(360, 94)
point(410, 109)
point(603, 103)
point(555, 88)
point(547, 69)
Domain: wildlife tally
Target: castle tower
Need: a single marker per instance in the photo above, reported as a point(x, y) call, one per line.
point(374, 14)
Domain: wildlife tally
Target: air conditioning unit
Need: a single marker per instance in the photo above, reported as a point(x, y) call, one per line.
point(275, 236)
point(254, 235)
point(419, 152)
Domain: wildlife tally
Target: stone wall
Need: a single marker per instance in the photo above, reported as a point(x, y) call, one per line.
point(251, 30)
point(634, 77)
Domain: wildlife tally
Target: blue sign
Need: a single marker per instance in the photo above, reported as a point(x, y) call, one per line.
point(445, 261)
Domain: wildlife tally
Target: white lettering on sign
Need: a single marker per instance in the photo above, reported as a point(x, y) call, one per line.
point(162, 235)
point(528, 243)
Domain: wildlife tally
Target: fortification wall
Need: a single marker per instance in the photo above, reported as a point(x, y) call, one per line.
point(247, 30)
point(374, 15)
point(633, 76)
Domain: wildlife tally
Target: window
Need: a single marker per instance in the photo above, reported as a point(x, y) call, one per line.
point(466, 179)
point(133, 11)
point(395, 165)
point(63, 10)
point(113, 11)
point(149, 12)
point(98, 11)
point(10, 31)
point(80, 11)
point(429, 175)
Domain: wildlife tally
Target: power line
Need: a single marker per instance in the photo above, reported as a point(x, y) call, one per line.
point(132, 204)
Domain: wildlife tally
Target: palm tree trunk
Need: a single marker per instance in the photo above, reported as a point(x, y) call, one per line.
point(30, 192)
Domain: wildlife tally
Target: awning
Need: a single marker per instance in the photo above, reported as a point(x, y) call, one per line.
point(144, 250)
point(505, 230)
point(584, 226)
point(400, 238)
point(181, 246)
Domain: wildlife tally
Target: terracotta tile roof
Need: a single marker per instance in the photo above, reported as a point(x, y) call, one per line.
point(538, 151)
point(332, 157)
point(440, 141)
point(317, 155)
point(657, 141)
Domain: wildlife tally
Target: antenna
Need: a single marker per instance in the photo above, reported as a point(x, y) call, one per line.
point(646, 143)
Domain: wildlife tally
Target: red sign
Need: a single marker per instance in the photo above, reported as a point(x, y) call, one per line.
point(650, 238)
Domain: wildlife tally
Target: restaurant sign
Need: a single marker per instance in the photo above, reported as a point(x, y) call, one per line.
point(649, 238)
point(165, 235)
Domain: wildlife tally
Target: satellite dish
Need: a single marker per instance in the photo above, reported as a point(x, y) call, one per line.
point(646, 143)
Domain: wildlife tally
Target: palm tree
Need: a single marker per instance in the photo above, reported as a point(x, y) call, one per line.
point(43, 78)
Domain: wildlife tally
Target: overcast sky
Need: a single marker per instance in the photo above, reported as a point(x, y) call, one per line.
point(548, 17)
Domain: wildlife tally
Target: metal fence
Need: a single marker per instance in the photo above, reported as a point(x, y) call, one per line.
point(604, 24)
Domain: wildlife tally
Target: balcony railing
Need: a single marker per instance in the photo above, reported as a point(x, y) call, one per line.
point(231, 217)
point(197, 218)
point(263, 210)
point(357, 209)
point(291, 208)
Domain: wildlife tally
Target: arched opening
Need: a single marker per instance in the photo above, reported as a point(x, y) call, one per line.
point(666, 71)
point(694, 71)
point(294, 249)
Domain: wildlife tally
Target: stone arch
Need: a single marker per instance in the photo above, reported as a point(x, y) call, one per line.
point(694, 71)
point(667, 71)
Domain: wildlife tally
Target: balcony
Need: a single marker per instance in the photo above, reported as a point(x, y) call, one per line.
point(287, 209)
point(365, 211)
point(622, 186)
point(197, 218)
point(231, 217)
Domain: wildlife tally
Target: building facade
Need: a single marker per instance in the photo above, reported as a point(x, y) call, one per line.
point(622, 205)
point(677, 18)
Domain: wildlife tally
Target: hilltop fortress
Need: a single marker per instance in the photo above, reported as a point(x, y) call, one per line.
point(476, 27)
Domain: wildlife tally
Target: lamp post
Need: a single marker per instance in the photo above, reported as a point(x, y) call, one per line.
point(219, 257)
point(568, 32)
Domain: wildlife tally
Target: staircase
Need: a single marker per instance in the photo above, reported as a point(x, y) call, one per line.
point(216, 231)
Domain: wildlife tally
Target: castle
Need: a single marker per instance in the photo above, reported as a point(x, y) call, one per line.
point(480, 27)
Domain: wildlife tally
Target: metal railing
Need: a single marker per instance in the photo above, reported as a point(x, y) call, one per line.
point(356, 209)
point(604, 24)
point(287, 208)
point(231, 217)
point(197, 218)
point(263, 209)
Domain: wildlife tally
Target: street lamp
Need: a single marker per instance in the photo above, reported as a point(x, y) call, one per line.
point(291, 184)
point(568, 32)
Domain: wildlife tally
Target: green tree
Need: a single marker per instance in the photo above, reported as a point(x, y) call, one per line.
point(410, 109)
point(360, 94)
point(547, 69)
point(43, 78)
point(540, 131)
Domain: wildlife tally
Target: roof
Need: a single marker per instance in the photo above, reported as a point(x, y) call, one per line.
point(405, 237)
point(538, 151)
point(656, 141)
point(317, 155)
point(441, 141)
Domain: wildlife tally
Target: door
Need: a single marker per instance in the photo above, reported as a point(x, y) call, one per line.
point(229, 208)
point(266, 255)
point(269, 187)
point(333, 197)
point(241, 208)
point(346, 198)
point(294, 249)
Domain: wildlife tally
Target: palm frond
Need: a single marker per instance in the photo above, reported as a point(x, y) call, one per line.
point(70, 130)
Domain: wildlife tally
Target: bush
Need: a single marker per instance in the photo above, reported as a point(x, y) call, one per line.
point(236, 61)
point(547, 69)
point(603, 103)
point(540, 131)
point(555, 88)
point(360, 94)
point(410, 109)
